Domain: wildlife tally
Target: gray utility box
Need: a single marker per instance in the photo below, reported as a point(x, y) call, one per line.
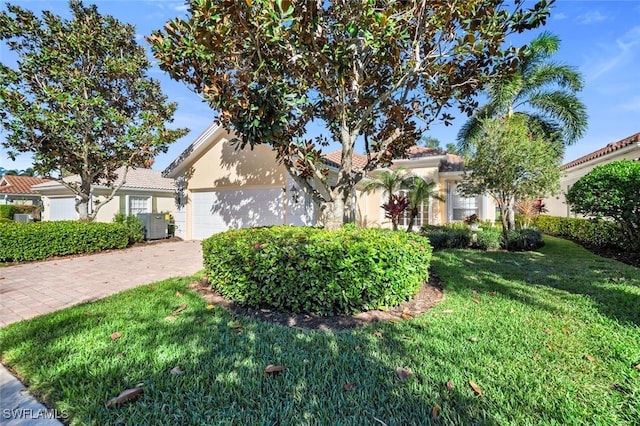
point(156, 225)
point(21, 217)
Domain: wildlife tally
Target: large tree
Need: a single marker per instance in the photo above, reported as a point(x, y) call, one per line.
point(509, 162)
point(379, 71)
point(540, 90)
point(80, 100)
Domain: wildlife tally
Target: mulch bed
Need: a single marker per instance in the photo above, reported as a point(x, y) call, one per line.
point(428, 295)
point(620, 255)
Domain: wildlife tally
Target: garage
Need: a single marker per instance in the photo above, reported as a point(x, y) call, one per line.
point(221, 210)
point(62, 209)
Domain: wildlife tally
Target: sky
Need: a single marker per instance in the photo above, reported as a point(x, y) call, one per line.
point(601, 39)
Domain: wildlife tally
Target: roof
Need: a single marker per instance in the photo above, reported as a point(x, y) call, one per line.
point(358, 160)
point(612, 147)
point(451, 162)
point(20, 184)
point(143, 179)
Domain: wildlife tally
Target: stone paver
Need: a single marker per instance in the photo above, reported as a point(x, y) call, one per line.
point(37, 288)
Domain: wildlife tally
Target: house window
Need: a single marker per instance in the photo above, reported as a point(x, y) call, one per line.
point(461, 207)
point(139, 205)
point(421, 219)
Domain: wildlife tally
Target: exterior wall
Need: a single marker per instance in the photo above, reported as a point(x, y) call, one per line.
point(557, 205)
point(17, 199)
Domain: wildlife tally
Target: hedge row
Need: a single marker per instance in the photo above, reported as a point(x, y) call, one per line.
point(36, 241)
point(585, 231)
point(487, 238)
point(316, 271)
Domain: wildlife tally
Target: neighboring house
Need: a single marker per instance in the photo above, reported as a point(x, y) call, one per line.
point(17, 189)
point(144, 191)
point(221, 188)
point(625, 149)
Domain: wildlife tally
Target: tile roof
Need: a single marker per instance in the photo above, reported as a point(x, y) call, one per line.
point(613, 146)
point(453, 163)
point(20, 184)
point(136, 179)
point(422, 151)
point(335, 157)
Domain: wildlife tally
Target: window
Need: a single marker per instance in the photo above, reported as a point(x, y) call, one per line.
point(461, 207)
point(139, 205)
point(421, 219)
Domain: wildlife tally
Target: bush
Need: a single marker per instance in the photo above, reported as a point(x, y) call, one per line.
point(448, 236)
point(39, 240)
point(311, 270)
point(6, 211)
point(525, 239)
point(133, 224)
point(488, 238)
point(590, 232)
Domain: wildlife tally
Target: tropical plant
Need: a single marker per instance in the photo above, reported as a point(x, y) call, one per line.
point(375, 70)
point(541, 91)
point(395, 208)
point(611, 191)
point(420, 191)
point(509, 162)
point(80, 100)
point(388, 181)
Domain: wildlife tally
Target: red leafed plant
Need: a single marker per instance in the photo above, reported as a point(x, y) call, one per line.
point(395, 208)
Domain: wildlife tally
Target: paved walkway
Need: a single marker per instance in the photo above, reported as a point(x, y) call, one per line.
point(33, 289)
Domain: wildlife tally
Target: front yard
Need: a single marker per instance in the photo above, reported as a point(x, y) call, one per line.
point(544, 337)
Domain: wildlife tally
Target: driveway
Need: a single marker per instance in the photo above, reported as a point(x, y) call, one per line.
point(31, 289)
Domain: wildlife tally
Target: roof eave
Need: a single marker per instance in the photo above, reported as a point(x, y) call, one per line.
point(201, 143)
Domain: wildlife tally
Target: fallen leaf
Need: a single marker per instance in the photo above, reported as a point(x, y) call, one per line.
point(566, 330)
point(473, 339)
point(406, 316)
point(403, 373)
point(475, 387)
point(121, 354)
point(435, 411)
point(274, 369)
point(549, 347)
point(450, 385)
point(536, 357)
point(116, 335)
point(170, 318)
point(179, 309)
point(86, 314)
point(447, 311)
point(377, 334)
point(638, 367)
point(126, 395)
point(176, 371)
point(394, 321)
point(178, 294)
point(476, 300)
point(590, 358)
point(152, 288)
point(512, 311)
point(210, 307)
point(493, 293)
point(307, 318)
point(235, 326)
point(349, 386)
point(546, 330)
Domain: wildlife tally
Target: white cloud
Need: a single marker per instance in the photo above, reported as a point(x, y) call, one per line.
point(558, 16)
point(591, 17)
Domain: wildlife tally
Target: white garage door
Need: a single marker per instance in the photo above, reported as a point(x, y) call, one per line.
point(62, 209)
point(221, 210)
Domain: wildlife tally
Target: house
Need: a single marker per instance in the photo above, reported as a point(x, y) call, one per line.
point(17, 189)
point(144, 191)
point(625, 149)
point(220, 188)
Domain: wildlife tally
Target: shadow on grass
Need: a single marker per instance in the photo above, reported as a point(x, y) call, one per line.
point(72, 362)
point(560, 266)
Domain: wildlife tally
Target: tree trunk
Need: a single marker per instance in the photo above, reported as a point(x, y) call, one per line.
point(505, 224)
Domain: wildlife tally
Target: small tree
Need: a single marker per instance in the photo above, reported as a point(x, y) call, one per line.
point(611, 191)
point(80, 99)
point(509, 162)
point(395, 208)
point(376, 71)
point(421, 190)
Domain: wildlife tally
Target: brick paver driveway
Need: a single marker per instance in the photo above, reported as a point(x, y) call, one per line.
point(33, 289)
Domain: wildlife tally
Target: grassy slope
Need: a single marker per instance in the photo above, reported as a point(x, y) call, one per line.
point(536, 318)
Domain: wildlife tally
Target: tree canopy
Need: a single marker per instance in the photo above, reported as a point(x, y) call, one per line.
point(611, 191)
point(540, 90)
point(79, 98)
point(510, 162)
point(379, 71)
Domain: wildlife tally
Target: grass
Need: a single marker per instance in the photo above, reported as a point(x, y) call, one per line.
point(552, 337)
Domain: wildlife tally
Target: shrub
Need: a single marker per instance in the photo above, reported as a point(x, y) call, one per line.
point(488, 238)
point(311, 270)
point(590, 232)
point(133, 224)
point(40, 240)
point(524, 239)
point(448, 236)
point(6, 211)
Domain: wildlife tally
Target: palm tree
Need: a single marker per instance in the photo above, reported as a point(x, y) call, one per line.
point(542, 91)
point(390, 181)
point(420, 191)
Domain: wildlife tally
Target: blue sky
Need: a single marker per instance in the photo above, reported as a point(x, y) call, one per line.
point(600, 38)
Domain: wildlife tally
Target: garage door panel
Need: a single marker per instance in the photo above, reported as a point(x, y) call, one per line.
point(218, 211)
point(62, 209)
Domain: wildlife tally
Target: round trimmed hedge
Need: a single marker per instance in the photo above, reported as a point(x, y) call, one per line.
point(316, 271)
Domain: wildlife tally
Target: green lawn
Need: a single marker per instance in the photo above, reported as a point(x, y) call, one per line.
point(549, 337)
